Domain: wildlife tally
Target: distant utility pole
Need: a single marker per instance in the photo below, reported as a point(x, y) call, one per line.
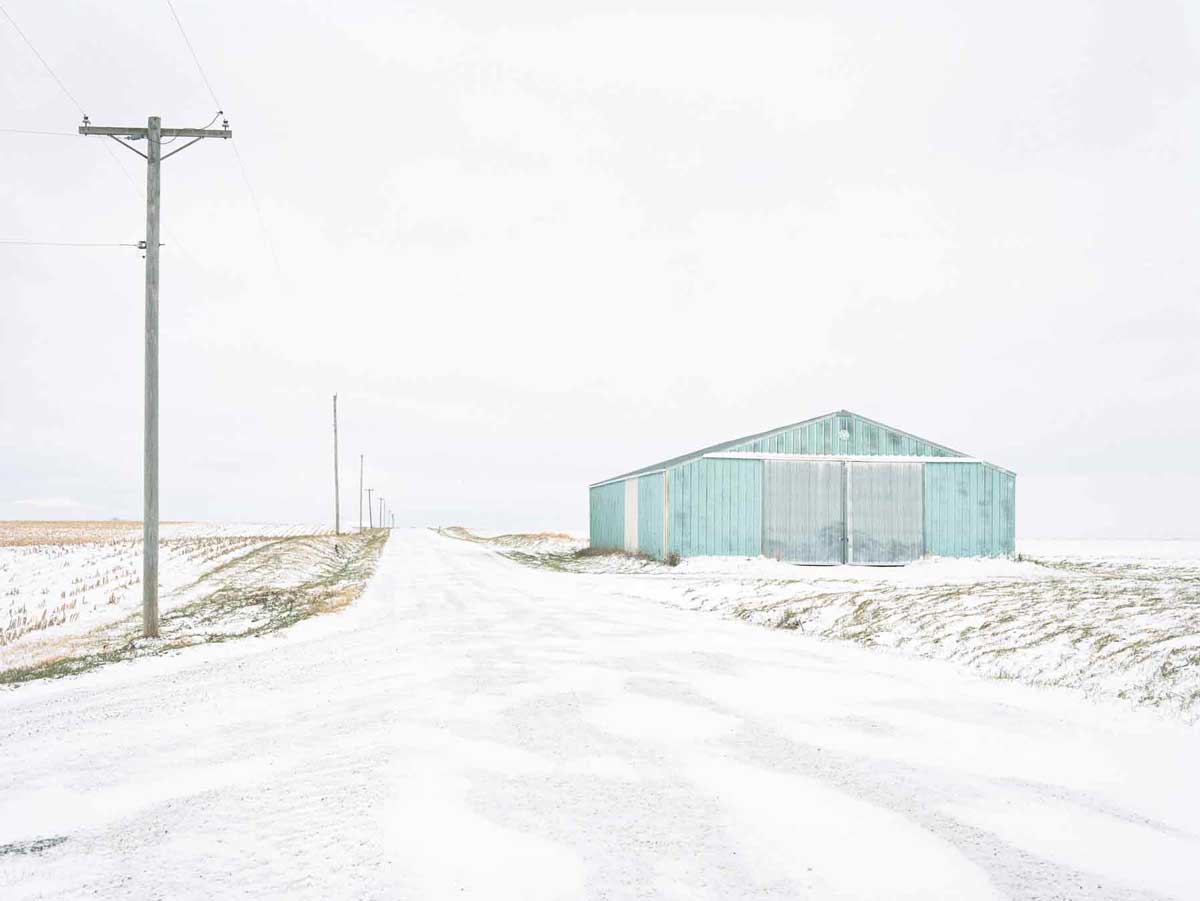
point(381, 513)
point(337, 498)
point(153, 134)
point(370, 523)
point(360, 491)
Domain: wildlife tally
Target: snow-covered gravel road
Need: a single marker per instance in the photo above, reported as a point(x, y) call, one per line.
point(473, 728)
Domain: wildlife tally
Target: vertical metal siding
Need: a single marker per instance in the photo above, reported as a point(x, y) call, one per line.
point(969, 510)
point(1007, 513)
point(824, 436)
point(607, 516)
point(716, 508)
point(884, 517)
point(733, 507)
point(650, 514)
point(802, 511)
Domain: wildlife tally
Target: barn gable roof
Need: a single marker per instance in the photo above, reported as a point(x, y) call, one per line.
point(872, 432)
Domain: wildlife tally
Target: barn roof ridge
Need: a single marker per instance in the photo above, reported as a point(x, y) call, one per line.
point(725, 445)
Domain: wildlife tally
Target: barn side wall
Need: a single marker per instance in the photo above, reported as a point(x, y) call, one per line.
point(606, 516)
point(970, 510)
point(650, 514)
point(715, 508)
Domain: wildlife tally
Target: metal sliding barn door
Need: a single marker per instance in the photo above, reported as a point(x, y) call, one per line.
point(803, 515)
point(884, 512)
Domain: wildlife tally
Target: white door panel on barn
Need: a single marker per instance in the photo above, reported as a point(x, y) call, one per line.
point(631, 516)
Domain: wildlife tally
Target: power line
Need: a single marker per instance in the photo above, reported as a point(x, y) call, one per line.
point(42, 60)
point(63, 88)
point(65, 244)
point(129, 178)
point(195, 58)
point(219, 114)
point(72, 134)
point(262, 223)
point(107, 149)
point(27, 131)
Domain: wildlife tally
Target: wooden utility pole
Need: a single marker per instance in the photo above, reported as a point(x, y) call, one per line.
point(337, 498)
point(152, 134)
point(370, 522)
point(381, 513)
point(360, 490)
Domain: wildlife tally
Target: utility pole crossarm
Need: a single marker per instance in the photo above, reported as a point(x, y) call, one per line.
point(118, 131)
point(137, 133)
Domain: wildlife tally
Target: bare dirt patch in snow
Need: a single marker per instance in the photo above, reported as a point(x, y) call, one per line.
point(1111, 620)
point(23, 533)
point(237, 586)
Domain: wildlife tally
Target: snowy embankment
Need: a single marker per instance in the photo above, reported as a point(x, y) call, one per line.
point(474, 728)
point(61, 578)
point(1117, 620)
point(72, 591)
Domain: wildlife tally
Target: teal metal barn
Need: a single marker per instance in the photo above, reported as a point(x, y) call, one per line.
point(839, 488)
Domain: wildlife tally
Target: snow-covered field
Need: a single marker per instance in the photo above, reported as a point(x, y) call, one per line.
point(476, 728)
point(1113, 620)
point(61, 579)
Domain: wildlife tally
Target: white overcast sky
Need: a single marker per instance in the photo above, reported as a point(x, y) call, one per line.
point(532, 245)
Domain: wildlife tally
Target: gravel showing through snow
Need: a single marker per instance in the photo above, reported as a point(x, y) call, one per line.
point(475, 728)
